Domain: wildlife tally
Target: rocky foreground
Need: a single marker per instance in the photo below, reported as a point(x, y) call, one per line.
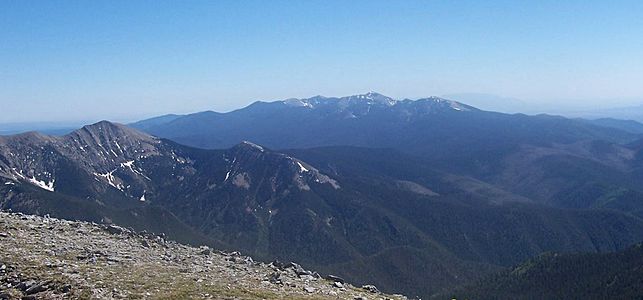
point(46, 258)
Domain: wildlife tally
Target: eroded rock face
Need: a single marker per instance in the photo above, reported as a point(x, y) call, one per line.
point(107, 172)
point(112, 158)
point(47, 258)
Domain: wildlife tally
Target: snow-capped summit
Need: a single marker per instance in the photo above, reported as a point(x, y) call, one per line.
point(444, 103)
point(362, 104)
point(298, 102)
point(372, 97)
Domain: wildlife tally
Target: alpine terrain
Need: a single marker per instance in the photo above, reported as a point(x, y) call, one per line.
point(419, 197)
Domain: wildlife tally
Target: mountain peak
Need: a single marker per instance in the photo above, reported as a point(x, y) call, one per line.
point(103, 125)
point(445, 103)
point(246, 145)
point(111, 130)
point(28, 136)
point(373, 97)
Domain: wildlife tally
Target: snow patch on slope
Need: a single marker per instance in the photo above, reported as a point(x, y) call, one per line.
point(49, 186)
point(302, 168)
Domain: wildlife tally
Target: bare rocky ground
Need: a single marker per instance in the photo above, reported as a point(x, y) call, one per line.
point(46, 258)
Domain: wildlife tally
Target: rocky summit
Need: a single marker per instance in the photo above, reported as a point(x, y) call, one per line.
point(47, 258)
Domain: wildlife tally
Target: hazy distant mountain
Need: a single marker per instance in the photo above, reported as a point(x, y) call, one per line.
point(634, 112)
point(148, 123)
point(431, 127)
point(505, 150)
point(625, 125)
point(528, 156)
point(370, 215)
point(493, 102)
point(52, 128)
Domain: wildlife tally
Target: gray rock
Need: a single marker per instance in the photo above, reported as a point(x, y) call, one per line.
point(335, 278)
point(23, 286)
point(370, 288)
point(338, 284)
point(298, 269)
point(36, 288)
point(307, 277)
point(279, 265)
point(205, 250)
point(113, 229)
point(275, 278)
point(309, 289)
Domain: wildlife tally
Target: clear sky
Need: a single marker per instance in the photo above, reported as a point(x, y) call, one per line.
point(123, 60)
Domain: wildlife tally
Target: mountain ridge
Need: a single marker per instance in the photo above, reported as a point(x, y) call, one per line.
point(355, 212)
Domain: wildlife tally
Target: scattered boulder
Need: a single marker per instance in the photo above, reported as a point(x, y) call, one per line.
point(274, 278)
point(37, 288)
point(335, 278)
point(307, 277)
point(299, 270)
point(205, 250)
point(113, 229)
point(109, 248)
point(371, 288)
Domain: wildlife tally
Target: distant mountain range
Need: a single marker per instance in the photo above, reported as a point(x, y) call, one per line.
point(416, 196)
point(625, 125)
point(634, 112)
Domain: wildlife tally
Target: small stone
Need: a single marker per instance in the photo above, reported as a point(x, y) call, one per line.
point(23, 286)
point(370, 288)
point(113, 229)
point(309, 289)
point(275, 278)
point(338, 284)
point(279, 265)
point(298, 269)
point(205, 250)
point(335, 278)
point(307, 277)
point(36, 288)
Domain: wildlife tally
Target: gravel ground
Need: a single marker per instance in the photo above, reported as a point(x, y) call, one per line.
point(46, 258)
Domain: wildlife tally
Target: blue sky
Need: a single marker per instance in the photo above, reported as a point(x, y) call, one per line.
point(124, 60)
